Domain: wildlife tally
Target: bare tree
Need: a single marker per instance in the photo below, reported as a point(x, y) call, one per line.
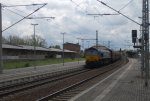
point(39, 41)
point(4, 40)
point(56, 46)
point(15, 40)
point(27, 40)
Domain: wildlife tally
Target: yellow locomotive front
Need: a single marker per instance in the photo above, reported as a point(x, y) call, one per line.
point(92, 57)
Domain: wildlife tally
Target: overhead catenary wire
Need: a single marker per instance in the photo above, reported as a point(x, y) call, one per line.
point(97, 11)
point(62, 27)
point(24, 17)
point(103, 14)
point(40, 17)
point(118, 12)
point(99, 14)
point(125, 5)
point(79, 6)
point(15, 12)
point(105, 17)
point(29, 17)
point(23, 5)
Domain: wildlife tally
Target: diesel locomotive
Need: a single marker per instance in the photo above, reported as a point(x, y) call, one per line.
point(100, 55)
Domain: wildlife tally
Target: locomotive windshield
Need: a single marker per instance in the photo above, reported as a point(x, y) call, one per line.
point(91, 52)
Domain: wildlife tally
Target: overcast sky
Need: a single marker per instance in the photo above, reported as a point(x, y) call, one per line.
point(71, 18)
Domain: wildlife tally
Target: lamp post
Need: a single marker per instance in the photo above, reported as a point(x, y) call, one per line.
point(63, 48)
point(34, 44)
point(79, 50)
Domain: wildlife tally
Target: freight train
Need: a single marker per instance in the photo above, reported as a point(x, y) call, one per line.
point(100, 55)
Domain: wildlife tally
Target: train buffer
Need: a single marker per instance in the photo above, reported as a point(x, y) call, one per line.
point(125, 84)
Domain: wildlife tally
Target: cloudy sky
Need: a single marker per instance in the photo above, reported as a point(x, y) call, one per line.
point(71, 17)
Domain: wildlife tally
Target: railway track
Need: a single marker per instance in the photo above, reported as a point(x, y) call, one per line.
point(66, 93)
point(63, 88)
point(51, 77)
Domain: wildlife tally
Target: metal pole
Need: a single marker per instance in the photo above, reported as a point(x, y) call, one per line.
point(108, 44)
point(142, 53)
point(96, 38)
point(82, 44)
point(1, 55)
point(145, 24)
point(78, 52)
point(63, 48)
point(34, 45)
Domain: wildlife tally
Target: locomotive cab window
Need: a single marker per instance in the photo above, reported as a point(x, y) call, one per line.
point(91, 52)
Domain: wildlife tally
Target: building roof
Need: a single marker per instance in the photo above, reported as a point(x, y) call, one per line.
point(55, 50)
point(69, 51)
point(11, 46)
point(71, 43)
point(32, 48)
point(60, 50)
point(25, 47)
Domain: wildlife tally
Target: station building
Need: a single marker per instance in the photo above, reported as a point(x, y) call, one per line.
point(72, 47)
point(11, 52)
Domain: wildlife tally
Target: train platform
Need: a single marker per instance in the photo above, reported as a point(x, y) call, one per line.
point(21, 72)
point(125, 84)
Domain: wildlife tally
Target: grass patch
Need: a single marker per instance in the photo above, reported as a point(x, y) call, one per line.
point(27, 63)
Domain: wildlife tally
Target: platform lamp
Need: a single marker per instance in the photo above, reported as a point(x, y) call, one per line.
point(63, 55)
point(34, 45)
point(78, 50)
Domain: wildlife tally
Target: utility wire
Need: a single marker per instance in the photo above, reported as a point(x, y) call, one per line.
point(24, 17)
point(15, 12)
point(126, 5)
point(39, 17)
point(26, 13)
point(100, 23)
point(103, 14)
point(23, 5)
point(78, 5)
point(118, 12)
point(29, 17)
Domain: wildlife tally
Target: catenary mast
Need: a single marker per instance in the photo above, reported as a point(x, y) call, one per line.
point(145, 33)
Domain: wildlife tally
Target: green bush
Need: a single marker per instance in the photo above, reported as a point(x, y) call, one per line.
point(26, 65)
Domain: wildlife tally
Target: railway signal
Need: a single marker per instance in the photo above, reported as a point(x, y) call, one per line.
point(134, 36)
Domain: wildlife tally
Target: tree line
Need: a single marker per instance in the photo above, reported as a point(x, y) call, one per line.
point(27, 40)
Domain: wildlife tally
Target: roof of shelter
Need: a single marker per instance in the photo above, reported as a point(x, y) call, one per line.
point(26, 47)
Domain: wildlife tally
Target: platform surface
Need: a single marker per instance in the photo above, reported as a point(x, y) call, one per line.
point(125, 84)
point(20, 72)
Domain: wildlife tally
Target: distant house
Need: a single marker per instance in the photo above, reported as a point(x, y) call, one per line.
point(72, 47)
point(27, 52)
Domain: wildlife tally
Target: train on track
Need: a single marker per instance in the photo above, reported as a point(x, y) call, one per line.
point(100, 55)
